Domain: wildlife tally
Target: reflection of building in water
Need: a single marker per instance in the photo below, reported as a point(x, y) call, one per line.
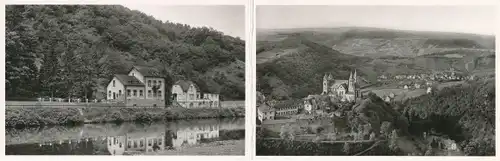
point(193, 134)
point(117, 145)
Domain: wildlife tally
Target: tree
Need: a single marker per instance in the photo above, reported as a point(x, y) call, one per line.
point(393, 145)
point(372, 136)
point(75, 50)
point(385, 129)
point(347, 148)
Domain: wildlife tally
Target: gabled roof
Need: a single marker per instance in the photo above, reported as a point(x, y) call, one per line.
point(147, 71)
point(265, 108)
point(340, 83)
point(128, 80)
point(185, 85)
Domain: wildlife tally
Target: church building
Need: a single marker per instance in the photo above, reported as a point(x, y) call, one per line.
point(345, 90)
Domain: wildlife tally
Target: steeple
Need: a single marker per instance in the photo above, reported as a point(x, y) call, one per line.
point(355, 76)
point(325, 83)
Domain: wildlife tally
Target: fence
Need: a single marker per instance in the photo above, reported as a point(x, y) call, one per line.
point(80, 105)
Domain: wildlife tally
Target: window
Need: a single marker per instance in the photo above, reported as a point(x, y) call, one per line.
point(149, 83)
point(160, 141)
point(191, 96)
point(109, 93)
point(154, 83)
point(159, 93)
point(113, 83)
point(135, 144)
point(149, 93)
point(119, 92)
point(135, 92)
point(129, 144)
point(109, 142)
point(150, 142)
point(120, 145)
point(140, 93)
point(133, 74)
point(128, 92)
point(159, 83)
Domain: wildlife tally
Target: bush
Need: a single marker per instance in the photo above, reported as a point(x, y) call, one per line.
point(22, 117)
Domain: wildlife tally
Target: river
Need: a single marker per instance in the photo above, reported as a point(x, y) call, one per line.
point(121, 139)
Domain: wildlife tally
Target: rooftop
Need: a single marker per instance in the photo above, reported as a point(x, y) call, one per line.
point(148, 71)
point(128, 80)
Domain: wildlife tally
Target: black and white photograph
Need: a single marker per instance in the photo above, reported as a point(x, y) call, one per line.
point(384, 80)
point(140, 79)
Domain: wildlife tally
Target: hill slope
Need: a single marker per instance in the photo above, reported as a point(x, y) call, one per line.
point(376, 42)
point(291, 63)
point(73, 50)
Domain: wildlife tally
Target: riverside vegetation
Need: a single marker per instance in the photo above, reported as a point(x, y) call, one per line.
point(26, 117)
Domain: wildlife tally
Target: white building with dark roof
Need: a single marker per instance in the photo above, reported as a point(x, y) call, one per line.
point(188, 95)
point(142, 86)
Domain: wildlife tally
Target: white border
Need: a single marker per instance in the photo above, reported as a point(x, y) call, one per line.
point(376, 2)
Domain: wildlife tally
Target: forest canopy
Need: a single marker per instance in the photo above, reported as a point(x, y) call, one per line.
point(74, 50)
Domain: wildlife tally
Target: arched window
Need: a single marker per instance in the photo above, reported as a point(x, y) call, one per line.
point(119, 92)
point(113, 83)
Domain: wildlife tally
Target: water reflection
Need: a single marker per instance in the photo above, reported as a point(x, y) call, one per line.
point(124, 139)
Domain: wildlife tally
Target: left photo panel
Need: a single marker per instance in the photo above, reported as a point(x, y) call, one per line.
point(125, 80)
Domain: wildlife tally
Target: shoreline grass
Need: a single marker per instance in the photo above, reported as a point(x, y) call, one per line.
point(32, 117)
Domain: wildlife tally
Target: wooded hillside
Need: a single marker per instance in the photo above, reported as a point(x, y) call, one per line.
point(73, 50)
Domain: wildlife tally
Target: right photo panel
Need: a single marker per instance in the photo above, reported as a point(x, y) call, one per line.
point(375, 80)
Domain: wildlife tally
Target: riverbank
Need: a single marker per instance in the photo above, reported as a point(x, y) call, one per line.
point(43, 116)
point(227, 147)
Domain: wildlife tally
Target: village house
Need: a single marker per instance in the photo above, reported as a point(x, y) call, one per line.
point(417, 86)
point(142, 86)
point(188, 95)
point(286, 111)
point(346, 90)
point(308, 106)
point(429, 90)
point(264, 112)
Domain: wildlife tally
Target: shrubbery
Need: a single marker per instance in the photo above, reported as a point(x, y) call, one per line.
point(21, 117)
point(302, 148)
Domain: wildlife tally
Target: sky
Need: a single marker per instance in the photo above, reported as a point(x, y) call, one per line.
point(467, 19)
point(225, 18)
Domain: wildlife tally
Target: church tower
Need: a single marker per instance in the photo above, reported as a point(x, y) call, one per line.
point(355, 77)
point(325, 84)
point(351, 87)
